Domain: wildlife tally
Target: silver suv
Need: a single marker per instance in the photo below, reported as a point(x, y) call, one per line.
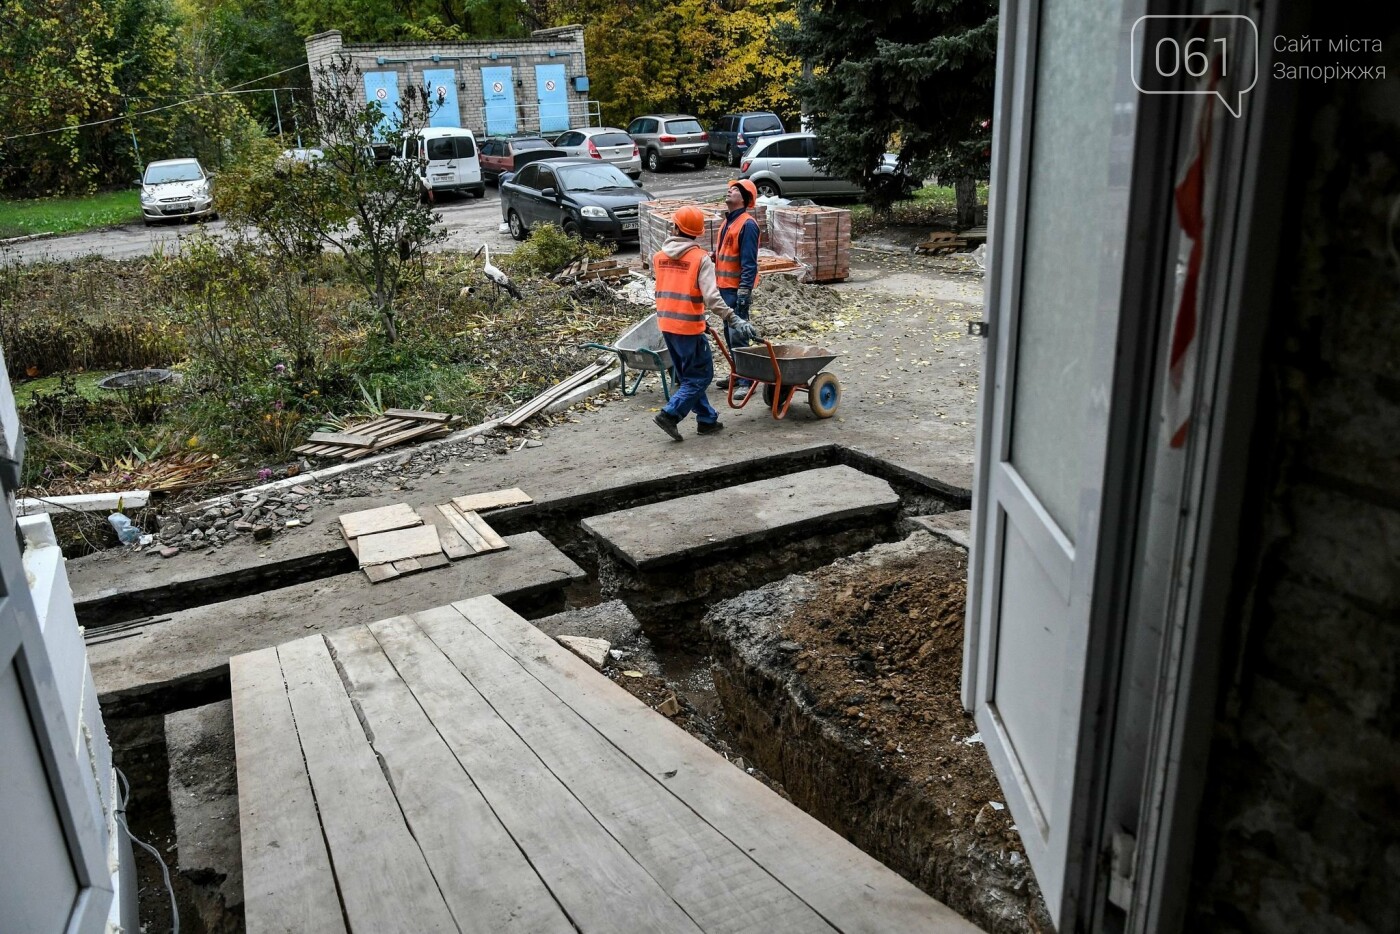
point(668, 138)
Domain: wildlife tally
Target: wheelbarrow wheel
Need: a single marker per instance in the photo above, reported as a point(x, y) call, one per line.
point(769, 392)
point(824, 394)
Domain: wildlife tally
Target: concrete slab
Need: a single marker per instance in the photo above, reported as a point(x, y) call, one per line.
point(189, 652)
point(952, 527)
point(662, 534)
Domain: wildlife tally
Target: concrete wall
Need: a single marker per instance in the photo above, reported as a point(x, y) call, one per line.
point(410, 59)
point(1300, 829)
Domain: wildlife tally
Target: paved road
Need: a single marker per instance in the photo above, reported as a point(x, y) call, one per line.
point(469, 223)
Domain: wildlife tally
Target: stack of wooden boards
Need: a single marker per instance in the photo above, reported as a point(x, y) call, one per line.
point(395, 426)
point(556, 392)
point(588, 270)
point(817, 237)
point(391, 541)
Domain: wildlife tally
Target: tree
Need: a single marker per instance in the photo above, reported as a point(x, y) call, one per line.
point(368, 209)
point(915, 74)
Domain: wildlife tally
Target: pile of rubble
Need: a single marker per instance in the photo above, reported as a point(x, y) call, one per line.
point(260, 515)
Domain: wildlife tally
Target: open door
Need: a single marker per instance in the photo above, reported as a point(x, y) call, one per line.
point(1063, 142)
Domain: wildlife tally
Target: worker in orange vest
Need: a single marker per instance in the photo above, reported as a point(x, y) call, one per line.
point(685, 290)
point(736, 258)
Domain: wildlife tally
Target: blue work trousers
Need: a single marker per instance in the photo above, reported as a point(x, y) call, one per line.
point(695, 369)
point(731, 296)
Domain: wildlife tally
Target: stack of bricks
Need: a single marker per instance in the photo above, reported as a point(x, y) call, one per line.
point(817, 237)
point(654, 224)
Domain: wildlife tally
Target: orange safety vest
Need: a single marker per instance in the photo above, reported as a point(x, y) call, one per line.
point(680, 308)
point(727, 267)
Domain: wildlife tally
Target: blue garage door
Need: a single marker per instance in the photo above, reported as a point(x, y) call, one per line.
point(554, 98)
point(441, 85)
point(498, 92)
point(382, 90)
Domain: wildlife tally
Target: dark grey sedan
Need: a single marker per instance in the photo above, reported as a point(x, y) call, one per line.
point(582, 197)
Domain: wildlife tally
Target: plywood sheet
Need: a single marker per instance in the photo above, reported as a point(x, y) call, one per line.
point(379, 519)
point(398, 545)
point(496, 499)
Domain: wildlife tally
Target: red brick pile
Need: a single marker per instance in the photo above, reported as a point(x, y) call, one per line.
point(817, 237)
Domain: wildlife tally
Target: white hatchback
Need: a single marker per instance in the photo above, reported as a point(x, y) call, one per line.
point(174, 188)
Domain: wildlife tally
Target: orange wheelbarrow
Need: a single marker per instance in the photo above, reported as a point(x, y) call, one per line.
point(783, 370)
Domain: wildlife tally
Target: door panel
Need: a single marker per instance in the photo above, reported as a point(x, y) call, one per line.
point(552, 91)
point(382, 90)
point(1052, 300)
point(441, 85)
point(498, 94)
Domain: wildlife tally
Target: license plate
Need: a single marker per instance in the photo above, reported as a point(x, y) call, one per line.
point(696, 149)
point(629, 225)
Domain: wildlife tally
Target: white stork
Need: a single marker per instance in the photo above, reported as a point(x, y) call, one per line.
point(498, 278)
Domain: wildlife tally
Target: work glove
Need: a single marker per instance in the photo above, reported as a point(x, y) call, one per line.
point(742, 329)
point(742, 301)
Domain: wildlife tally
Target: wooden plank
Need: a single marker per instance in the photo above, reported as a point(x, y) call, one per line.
point(589, 873)
point(849, 889)
point(485, 879)
point(474, 541)
point(407, 566)
point(398, 545)
point(408, 433)
point(496, 499)
point(453, 545)
point(430, 562)
point(288, 884)
point(385, 883)
point(488, 534)
point(378, 573)
point(418, 416)
point(717, 884)
point(539, 402)
point(379, 519)
point(339, 438)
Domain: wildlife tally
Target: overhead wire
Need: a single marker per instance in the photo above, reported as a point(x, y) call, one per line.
point(141, 113)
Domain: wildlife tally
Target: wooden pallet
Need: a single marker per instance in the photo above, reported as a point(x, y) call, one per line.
point(394, 427)
point(941, 241)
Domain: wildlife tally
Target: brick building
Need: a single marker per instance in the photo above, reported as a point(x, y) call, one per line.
point(494, 87)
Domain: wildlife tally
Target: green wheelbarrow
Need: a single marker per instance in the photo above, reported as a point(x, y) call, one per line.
point(643, 349)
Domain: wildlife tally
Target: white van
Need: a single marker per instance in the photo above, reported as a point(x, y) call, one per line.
point(446, 159)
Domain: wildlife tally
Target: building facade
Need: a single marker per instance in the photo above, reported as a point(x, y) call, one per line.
point(493, 87)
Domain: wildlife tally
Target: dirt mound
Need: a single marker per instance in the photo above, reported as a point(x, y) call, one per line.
point(784, 307)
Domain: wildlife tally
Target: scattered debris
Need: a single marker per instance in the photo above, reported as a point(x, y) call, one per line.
point(669, 707)
point(394, 427)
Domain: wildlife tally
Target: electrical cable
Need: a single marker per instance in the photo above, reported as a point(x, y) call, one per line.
point(164, 870)
point(142, 113)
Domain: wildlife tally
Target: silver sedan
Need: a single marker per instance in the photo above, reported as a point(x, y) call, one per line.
point(606, 143)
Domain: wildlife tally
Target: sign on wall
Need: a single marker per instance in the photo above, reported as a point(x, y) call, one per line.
point(382, 90)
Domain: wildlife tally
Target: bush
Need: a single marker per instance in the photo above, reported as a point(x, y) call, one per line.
point(549, 250)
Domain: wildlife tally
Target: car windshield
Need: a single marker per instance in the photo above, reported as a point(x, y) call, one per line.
point(682, 126)
point(520, 145)
point(612, 139)
point(178, 172)
point(592, 178)
point(762, 124)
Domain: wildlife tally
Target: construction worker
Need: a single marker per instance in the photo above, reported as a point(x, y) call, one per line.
point(685, 290)
point(736, 258)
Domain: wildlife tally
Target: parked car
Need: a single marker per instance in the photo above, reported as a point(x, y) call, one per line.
point(173, 188)
point(607, 143)
point(446, 159)
point(664, 139)
point(782, 166)
point(733, 134)
point(583, 197)
point(498, 155)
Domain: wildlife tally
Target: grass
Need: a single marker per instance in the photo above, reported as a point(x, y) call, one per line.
point(931, 205)
point(67, 215)
point(85, 384)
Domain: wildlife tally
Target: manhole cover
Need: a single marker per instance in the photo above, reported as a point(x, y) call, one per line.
point(134, 379)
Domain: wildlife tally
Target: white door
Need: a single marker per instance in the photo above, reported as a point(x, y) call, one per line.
point(1057, 223)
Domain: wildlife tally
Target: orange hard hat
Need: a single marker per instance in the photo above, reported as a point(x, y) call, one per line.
point(690, 220)
point(749, 189)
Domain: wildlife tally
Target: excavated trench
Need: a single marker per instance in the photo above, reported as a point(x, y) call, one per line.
point(737, 705)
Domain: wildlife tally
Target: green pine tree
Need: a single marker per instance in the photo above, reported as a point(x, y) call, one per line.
point(915, 77)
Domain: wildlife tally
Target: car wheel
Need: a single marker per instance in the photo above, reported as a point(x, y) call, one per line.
point(767, 189)
point(480, 191)
point(731, 158)
point(518, 230)
point(653, 160)
point(571, 229)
